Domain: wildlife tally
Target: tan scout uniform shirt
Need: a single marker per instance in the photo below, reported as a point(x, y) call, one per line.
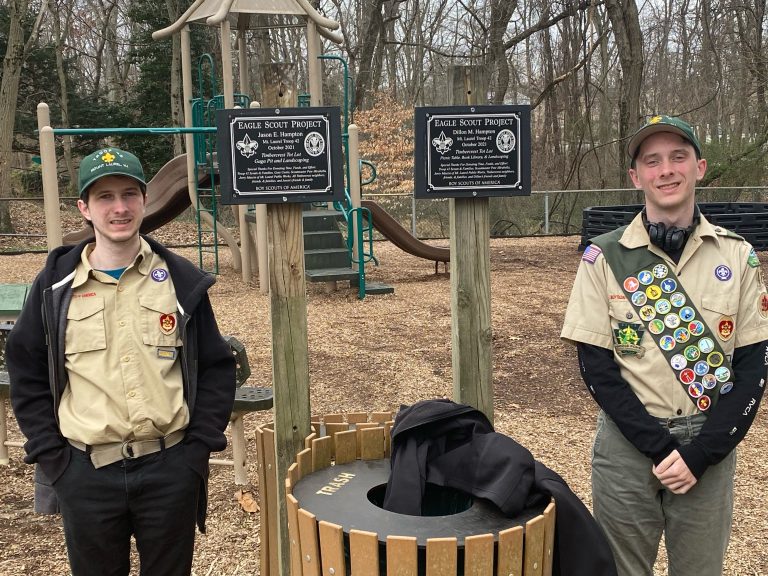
point(125, 380)
point(598, 304)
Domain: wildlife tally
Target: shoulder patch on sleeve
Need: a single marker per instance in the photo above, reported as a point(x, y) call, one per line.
point(591, 253)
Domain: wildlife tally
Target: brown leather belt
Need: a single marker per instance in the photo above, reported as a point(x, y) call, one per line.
point(106, 454)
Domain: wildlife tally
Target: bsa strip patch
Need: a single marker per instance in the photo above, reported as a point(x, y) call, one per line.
point(627, 337)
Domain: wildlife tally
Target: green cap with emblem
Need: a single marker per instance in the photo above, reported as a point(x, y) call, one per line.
point(663, 124)
point(109, 162)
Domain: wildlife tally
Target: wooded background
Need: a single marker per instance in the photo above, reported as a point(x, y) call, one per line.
point(591, 70)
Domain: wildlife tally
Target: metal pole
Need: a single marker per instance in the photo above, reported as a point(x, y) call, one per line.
point(546, 213)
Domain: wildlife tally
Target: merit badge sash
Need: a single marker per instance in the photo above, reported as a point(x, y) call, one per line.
point(677, 328)
point(671, 320)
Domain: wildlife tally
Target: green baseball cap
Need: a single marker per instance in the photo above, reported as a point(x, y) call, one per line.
point(663, 124)
point(109, 162)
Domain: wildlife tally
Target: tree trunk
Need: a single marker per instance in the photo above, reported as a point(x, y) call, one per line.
point(63, 90)
point(177, 107)
point(9, 89)
point(370, 35)
point(629, 42)
point(501, 13)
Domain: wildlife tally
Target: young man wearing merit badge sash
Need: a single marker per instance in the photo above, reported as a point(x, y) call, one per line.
point(670, 320)
point(121, 383)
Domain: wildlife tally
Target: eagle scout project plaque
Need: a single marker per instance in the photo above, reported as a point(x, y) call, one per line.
point(472, 151)
point(280, 155)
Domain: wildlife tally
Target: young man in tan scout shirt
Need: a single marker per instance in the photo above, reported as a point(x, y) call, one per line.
point(121, 383)
point(670, 319)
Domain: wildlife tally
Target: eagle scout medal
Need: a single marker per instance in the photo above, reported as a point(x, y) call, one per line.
point(167, 323)
point(627, 338)
point(725, 328)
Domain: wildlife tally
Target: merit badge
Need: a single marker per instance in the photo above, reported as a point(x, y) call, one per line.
point(647, 313)
point(682, 335)
point(752, 260)
point(667, 343)
point(668, 285)
point(692, 353)
point(678, 362)
point(672, 321)
point(677, 299)
point(631, 284)
point(663, 306)
point(696, 390)
point(723, 273)
point(639, 298)
point(701, 368)
point(706, 345)
point(722, 374)
point(762, 305)
point(687, 314)
point(656, 326)
point(627, 337)
point(653, 292)
point(696, 328)
point(708, 381)
point(687, 376)
point(660, 271)
point(645, 277)
point(704, 403)
point(714, 359)
point(725, 327)
point(159, 274)
point(167, 323)
point(725, 388)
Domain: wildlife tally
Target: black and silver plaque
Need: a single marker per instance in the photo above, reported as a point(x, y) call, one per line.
point(472, 151)
point(280, 155)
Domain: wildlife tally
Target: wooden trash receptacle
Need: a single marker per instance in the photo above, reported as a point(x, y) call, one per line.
point(337, 526)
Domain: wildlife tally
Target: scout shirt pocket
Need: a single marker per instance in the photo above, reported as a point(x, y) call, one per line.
point(85, 325)
point(720, 312)
point(159, 320)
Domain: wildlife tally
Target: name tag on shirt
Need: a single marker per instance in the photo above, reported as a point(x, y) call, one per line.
point(167, 353)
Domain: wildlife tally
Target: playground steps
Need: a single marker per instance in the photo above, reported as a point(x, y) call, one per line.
point(326, 258)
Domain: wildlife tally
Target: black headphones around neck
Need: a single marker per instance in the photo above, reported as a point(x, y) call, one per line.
point(669, 238)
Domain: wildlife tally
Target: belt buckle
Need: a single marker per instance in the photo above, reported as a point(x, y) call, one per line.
point(126, 450)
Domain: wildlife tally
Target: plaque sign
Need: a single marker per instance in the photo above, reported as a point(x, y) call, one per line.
point(279, 155)
point(472, 151)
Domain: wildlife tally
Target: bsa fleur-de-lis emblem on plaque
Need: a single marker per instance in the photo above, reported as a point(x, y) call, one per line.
point(443, 143)
point(247, 146)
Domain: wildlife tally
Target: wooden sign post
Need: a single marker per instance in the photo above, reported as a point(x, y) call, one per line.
point(468, 153)
point(283, 157)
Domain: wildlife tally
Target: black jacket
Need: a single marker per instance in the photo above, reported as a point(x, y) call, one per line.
point(454, 445)
point(35, 357)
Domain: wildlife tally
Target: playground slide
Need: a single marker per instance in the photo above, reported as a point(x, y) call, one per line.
point(401, 238)
point(167, 197)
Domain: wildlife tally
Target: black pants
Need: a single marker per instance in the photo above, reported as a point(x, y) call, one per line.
point(154, 498)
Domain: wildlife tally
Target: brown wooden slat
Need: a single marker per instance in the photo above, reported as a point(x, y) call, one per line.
point(304, 460)
point(510, 556)
point(333, 418)
point(364, 553)
point(357, 417)
point(381, 417)
point(321, 453)
point(308, 439)
point(345, 446)
point(332, 548)
point(293, 477)
point(270, 473)
point(534, 546)
point(263, 504)
point(332, 428)
point(478, 555)
point(549, 538)
point(441, 557)
point(372, 443)
point(402, 556)
point(292, 507)
point(310, 550)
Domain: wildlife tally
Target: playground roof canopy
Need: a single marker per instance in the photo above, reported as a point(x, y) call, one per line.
point(210, 7)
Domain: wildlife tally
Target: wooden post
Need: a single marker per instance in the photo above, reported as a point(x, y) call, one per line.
point(471, 336)
point(354, 192)
point(288, 304)
point(50, 179)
